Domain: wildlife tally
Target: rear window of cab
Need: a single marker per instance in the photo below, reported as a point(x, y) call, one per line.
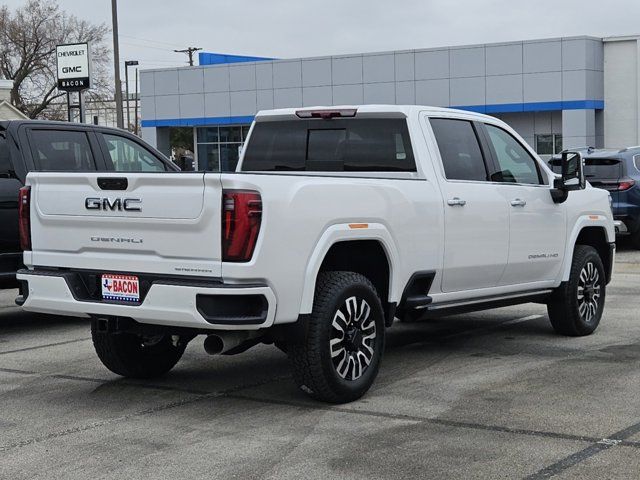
point(595, 168)
point(337, 145)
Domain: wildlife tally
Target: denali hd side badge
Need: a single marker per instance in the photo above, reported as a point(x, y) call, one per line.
point(116, 204)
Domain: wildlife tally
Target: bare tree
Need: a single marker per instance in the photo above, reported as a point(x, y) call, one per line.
point(28, 39)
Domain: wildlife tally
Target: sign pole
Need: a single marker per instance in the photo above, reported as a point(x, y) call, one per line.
point(68, 106)
point(81, 105)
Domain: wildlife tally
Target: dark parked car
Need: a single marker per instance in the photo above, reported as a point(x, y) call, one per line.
point(59, 146)
point(617, 171)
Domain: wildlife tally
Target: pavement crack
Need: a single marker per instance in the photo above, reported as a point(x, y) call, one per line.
point(433, 421)
point(140, 413)
point(37, 347)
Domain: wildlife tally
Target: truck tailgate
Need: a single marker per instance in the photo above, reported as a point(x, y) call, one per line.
point(163, 223)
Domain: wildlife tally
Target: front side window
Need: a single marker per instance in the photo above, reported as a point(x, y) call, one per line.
point(349, 145)
point(515, 164)
point(59, 150)
point(459, 148)
point(127, 156)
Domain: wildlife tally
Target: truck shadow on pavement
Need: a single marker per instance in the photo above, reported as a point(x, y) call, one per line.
point(411, 348)
point(15, 319)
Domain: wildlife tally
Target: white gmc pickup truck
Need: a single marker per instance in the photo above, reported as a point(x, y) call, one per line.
point(338, 221)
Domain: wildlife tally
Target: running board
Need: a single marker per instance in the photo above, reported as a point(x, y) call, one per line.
point(483, 303)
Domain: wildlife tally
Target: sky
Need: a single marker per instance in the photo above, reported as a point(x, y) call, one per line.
point(151, 29)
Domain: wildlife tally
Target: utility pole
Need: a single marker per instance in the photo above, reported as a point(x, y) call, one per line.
point(189, 51)
point(116, 64)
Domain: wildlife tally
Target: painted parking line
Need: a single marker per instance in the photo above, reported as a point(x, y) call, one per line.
point(601, 445)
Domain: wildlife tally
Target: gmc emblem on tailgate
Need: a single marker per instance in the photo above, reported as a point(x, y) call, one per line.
point(116, 204)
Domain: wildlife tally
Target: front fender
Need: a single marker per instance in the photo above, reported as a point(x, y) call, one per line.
point(585, 221)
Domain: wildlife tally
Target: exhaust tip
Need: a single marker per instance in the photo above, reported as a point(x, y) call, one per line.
point(213, 345)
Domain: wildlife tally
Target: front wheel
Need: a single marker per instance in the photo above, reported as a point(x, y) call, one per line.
point(339, 358)
point(576, 307)
point(137, 356)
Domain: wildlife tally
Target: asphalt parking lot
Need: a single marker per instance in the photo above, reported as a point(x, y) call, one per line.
point(488, 395)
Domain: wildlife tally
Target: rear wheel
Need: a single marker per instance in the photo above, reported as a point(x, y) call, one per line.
point(137, 356)
point(576, 307)
point(339, 358)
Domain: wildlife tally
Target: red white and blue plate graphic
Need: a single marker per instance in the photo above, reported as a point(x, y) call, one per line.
point(124, 288)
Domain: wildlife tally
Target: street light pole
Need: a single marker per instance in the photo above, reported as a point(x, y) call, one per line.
point(127, 64)
point(135, 128)
point(126, 92)
point(116, 63)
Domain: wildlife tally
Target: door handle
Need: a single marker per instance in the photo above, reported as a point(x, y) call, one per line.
point(456, 202)
point(518, 202)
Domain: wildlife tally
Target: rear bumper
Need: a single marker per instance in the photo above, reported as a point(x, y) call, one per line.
point(217, 307)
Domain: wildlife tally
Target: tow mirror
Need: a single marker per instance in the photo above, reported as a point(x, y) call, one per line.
point(572, 177)
point(572, 171)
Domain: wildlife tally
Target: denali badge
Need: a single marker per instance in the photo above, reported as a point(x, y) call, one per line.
point(119, 204)
point(116, 240)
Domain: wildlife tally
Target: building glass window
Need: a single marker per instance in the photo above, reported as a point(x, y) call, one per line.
point(548, 144)
point(219, 147)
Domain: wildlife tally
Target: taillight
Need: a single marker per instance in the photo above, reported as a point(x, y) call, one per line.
point(24, 216)
point(625, 184)
point(241, 218)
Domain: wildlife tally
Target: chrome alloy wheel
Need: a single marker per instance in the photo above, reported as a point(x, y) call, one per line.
point(588, 292)
point(353, 334)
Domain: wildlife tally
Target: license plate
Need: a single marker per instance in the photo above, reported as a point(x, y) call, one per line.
point(124, 288)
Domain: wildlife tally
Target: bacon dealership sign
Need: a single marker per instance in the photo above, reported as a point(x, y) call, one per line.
point(73, 67)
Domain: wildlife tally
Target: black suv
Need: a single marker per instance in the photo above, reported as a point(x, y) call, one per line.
point(618, 172)
point(59, 146)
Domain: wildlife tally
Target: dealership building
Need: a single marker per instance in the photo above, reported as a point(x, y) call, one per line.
point(556, 93)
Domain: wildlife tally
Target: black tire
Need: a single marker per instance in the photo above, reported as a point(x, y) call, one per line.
point(635, 240)
point(316, 371)
point(576, 307)
point(133, 356)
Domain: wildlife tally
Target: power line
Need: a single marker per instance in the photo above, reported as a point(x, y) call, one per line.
point(189, 51)
point(140, 45)
point(172, 45)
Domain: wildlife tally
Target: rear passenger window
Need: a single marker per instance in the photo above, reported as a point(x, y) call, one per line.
point(459, 148)
point(62, 150)
point(350, 145)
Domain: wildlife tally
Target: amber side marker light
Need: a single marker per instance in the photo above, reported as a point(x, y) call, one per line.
point(358, 225)
point(594, 217)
